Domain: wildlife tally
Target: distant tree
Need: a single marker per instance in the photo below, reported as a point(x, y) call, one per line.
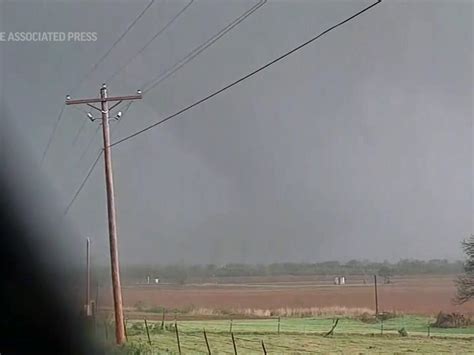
point(465, 283)
point(386, 273)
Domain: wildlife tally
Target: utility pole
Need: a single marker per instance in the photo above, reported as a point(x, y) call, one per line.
point(109, 182)
point(88, 278)
point(376, 296)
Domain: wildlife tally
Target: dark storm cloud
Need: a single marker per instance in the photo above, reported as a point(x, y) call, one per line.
point(358, 146)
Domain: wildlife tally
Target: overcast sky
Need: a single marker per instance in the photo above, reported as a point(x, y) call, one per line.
point(357, 146)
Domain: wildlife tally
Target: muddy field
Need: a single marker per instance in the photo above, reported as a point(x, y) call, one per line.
point(414, 295)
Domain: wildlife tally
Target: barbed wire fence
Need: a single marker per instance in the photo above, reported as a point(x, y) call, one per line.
point(262, 335)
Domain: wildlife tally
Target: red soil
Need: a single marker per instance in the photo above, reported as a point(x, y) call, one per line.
point(419, 295)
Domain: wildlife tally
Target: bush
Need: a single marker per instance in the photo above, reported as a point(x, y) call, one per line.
point(403, 332)
point(386, 315)
point(367, 318)
point(140, 306)
point(451, 320)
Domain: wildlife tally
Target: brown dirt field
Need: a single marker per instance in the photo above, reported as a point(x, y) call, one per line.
point(414, 295)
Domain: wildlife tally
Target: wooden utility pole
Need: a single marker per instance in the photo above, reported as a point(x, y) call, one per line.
point(376, 296)
point(104, 100)
point(88, 278)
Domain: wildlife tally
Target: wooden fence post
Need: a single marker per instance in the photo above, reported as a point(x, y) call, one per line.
point(163, 319)
point(230, 326)
point(278, 325)
point(147, 332)
point(207, 343)
point(331, 331)
point(177, 336)
point(233, 343)
point(381, 326)
point(263, 347)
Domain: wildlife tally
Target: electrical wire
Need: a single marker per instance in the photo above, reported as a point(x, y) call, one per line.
point(198, 50)
point(125, 110)
point(81, 186)
point(79, 131)
point(167, 72)
point(94, 135)
point(53, 133)
point(218, 92)
point(196, 103)
point(155, 36)
point(117, 41)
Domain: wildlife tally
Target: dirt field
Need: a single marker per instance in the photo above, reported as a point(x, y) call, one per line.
point(414, 295)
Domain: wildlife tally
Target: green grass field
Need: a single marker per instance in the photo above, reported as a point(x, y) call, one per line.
point(300, 336)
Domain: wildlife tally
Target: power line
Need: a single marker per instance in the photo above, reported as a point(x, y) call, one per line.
point(117, 41)
point(89, 144)
point(81, 128)
point(79, 131)
point(156, 35)
point(218, 92)
point(196, 51)
point(91, 169)
point(125, 110)
point(244, 77)
point(50, 140)
point(101, 59)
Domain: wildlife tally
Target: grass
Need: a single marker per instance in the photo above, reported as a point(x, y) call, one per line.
point(259, 313)
point(300, 336)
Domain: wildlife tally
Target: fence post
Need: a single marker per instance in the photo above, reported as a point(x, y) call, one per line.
point(177, 336)
point(331, 332)
point(381, 326)
point(429, 330)
point(207, 343)
point(233, 343)
point(230, 326)
point(263, 347)
point(147, 332)
point(278, 325)
point(163, 319)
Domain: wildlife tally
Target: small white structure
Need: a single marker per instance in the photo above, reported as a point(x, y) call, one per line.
point(339, 280)
point(157, 280)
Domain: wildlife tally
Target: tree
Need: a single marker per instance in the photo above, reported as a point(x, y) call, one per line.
point(465, 282)
point(386, 273)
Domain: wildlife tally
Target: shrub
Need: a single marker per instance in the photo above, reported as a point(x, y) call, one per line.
point(367, 318)
point(451, 320)
point(386, 315)
point(403, 332)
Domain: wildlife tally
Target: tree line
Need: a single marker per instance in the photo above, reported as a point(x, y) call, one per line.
point(181, 272)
